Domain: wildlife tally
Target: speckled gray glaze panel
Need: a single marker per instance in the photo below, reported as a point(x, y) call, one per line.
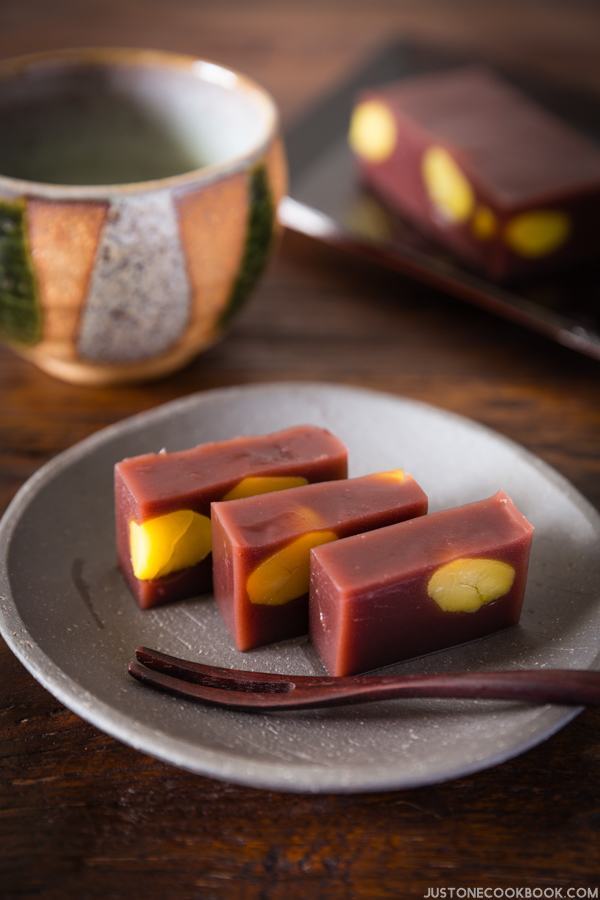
point(67, 614)
point(139, 258)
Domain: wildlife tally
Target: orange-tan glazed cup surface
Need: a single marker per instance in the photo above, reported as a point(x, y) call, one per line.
point(138, 198)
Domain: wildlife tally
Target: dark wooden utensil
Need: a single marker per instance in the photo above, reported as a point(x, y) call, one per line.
point(261, 691)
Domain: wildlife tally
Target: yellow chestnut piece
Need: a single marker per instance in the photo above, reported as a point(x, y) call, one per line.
point(249, 487)
point(394, 475)
point(465, 585)
point(285, 575)
point(446, 185)
point(372, 131)
point(169, 543)
point(538, 232)
point(484, 223)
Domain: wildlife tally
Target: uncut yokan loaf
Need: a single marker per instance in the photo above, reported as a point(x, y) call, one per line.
point(478, 165)
point(162, 502)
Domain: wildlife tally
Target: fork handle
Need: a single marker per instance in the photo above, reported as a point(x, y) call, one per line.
point(564, 686)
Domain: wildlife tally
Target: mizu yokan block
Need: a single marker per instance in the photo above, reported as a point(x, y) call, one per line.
point(261, 547)
point(408, 589)
point(478, 165)
point(162, 502)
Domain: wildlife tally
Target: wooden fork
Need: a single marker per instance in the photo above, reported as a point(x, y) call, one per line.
point(261, 691)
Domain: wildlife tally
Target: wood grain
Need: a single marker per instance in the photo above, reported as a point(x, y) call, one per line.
point(83, 816)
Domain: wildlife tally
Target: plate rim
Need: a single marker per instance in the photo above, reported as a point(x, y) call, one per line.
point(282, 776)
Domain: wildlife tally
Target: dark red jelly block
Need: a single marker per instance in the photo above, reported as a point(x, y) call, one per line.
point(158, 483)
point(261, 547)
point(478, 165)
point(372, 597)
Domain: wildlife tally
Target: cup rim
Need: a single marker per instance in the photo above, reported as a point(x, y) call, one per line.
point(203, 69)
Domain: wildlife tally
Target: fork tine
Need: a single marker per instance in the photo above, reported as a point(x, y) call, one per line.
point(204, 674)
point(189, 670)
point(216, 695)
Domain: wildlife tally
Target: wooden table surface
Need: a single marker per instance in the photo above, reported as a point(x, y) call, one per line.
point(84, 816)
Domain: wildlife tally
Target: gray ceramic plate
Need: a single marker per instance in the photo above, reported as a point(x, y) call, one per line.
point(66, 613)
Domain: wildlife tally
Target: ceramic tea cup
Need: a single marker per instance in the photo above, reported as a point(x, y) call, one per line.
point(138, 192)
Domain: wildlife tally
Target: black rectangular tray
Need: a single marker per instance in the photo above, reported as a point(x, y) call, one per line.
point(328, 203)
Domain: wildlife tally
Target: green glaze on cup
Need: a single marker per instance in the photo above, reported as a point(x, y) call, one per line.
point(20, 315)
point(261, 221)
